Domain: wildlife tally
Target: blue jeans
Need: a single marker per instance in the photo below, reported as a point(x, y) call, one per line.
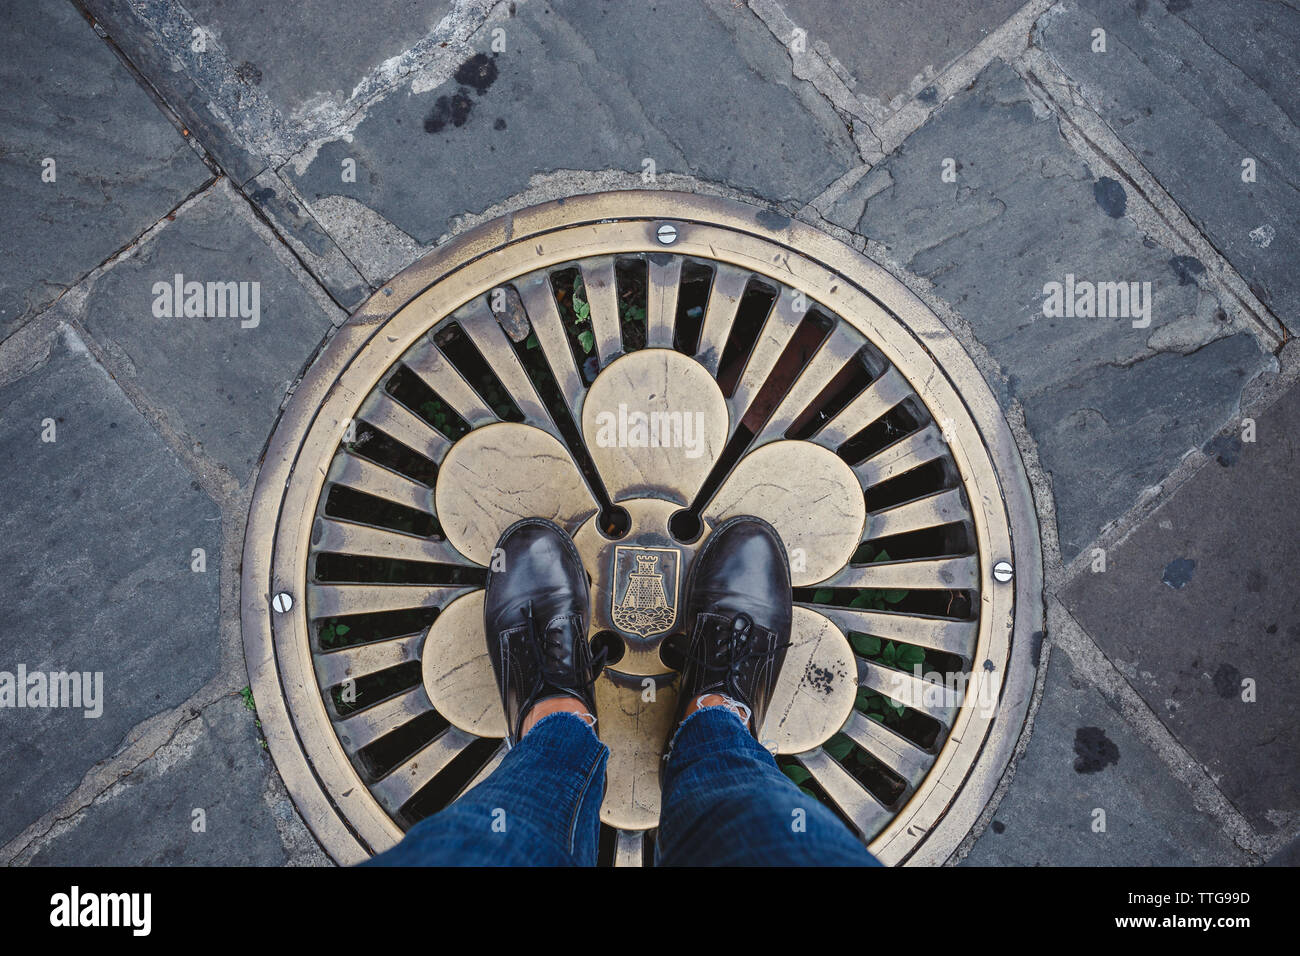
point(725, 803)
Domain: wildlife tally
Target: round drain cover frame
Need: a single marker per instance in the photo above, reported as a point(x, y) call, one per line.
point(306, 455)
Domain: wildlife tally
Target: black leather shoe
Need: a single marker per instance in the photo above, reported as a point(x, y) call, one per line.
point(738, 612)
point(535, 613)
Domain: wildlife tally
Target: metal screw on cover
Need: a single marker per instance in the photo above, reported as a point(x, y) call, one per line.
point(282, 602)
point(667, 234)
point(1002, 571)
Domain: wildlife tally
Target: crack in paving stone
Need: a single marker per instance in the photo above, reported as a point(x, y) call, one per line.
point(55, 826)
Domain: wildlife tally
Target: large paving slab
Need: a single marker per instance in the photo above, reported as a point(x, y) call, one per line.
point(119, 164)
point(254, 79)
point(1202, 598)
point(878, 41)
point(213, 764)
point(1112, 406)
point(217, 378)
point(272, 77)
point(587, 85)
point(1083, 758)
point(1195, 89)
point(312, 51)
point(96, 537)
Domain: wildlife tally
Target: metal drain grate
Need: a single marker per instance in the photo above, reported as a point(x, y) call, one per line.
point(638, 367)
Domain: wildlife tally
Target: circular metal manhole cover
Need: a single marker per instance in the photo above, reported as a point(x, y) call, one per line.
point(638, 366)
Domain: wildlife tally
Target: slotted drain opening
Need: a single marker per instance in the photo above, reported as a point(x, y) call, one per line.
point(578, 371)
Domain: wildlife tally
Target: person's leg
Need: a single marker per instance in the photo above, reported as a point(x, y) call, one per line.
point(726, 803)
point(540, 807)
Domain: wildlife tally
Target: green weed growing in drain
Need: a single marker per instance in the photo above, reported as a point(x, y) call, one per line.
point(576, 313)
point(441, 417)
point(582, 315)
point(331, 632)
point(246, 694)
point(799, 776)
point(580, 309)
point(873, 705)
point(631, 312)
point(496, 398)
point(902, 656)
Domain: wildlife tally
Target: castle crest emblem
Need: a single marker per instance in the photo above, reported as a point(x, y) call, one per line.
point(644, 595)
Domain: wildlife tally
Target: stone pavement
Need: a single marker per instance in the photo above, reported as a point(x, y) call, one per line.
point(980, 150)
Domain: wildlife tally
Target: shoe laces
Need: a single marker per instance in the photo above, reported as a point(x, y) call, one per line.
point(553, 644)
point(718, 667)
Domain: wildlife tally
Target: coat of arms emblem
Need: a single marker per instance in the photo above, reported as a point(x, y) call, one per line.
point(644, 595)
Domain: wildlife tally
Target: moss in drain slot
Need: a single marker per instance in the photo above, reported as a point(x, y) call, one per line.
point(796, 772)
point(906, 657)
point(333, 632)
point(921, 729)
point(940, 602)
point(867, 552)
